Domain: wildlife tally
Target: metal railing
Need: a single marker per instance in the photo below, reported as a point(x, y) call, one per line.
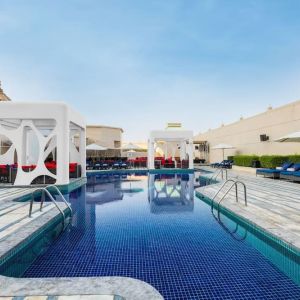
point(216, 175)
point(234, 183)
point(45, 192)
point(61, 195)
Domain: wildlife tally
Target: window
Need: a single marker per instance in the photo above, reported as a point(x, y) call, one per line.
point(117, 144)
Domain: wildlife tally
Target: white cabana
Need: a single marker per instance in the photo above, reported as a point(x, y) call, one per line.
point(171, 140)
point(223, 147)
point(36, 131)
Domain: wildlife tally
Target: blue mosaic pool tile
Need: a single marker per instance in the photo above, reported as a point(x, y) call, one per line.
point(168, 240)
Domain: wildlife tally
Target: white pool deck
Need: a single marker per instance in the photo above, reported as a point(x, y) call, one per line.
point(273, 205)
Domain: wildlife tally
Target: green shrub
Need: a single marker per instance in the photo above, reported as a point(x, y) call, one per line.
point(244, 160)
point(273, 161)
point(230, 157)
point(294, 158)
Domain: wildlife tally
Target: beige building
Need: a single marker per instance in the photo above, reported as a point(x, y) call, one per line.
point(106, 136)
point(4, 143)
point(254, 135)
point(3, 96)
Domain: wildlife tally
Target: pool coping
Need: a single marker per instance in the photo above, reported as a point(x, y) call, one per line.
point(129, 288)
point(145, 170)
point(279, 240)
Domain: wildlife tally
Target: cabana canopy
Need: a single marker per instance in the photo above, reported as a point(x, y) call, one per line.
point(37, 131)
point(173, 140)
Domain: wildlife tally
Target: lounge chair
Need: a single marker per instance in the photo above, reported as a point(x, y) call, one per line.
point(104, 165)
point(226, 164)
point(292, 173)
point(215, 165)
point(274, 173)
point(4, 173)
point(117, 165)
point(123, 165)
point(97, 165)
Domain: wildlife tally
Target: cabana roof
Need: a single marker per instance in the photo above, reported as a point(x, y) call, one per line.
point(171, 135)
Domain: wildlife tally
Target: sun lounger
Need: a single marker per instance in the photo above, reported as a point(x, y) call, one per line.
point(291, 173)
point(274, 173)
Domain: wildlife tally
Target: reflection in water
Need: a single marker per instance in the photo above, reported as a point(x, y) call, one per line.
point(171, 193)
point(103, 189)
point(234, 229)
point(176, 245)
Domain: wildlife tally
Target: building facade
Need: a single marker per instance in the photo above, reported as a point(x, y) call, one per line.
point(254, 135)
point(3, 96)
point(106, 136)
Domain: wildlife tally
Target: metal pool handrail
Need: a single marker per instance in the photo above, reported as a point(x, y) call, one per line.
point(59, 192)
point(44, 191)
point(235, 183)
point(236, 193)
point(220, 189)
point(216, 174)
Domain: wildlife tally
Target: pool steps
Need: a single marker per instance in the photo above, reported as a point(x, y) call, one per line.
point(272, 205)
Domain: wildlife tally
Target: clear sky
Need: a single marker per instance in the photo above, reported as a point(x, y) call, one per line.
point(140, 64)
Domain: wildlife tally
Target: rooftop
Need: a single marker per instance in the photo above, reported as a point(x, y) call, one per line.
point(104, 126)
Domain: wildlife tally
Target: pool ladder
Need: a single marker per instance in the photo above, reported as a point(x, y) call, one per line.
point(216, 175)
point(234, 183)
point(45, 191)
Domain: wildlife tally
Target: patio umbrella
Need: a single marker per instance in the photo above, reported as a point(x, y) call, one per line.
point(223, 147)
point(292, 137)
point(130, 153)
point(95, 148)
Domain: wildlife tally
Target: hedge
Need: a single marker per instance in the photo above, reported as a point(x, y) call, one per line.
point(230, 157)
point(272, 161)
point(244, 160)
point(294, 158)
point(266, 161)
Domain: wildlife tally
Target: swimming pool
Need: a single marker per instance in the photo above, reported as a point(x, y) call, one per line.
point(153, 228)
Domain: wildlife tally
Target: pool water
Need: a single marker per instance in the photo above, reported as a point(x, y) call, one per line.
point(154, 229)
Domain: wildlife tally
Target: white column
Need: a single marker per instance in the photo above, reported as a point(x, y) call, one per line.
point(173, 150)
point(182, 150)
point(24, 146)
point(63, 151)
point(190, 152)
point(150, 154)
point(82, 152)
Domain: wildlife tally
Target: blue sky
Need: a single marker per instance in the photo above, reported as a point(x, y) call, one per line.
point(140, 64)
